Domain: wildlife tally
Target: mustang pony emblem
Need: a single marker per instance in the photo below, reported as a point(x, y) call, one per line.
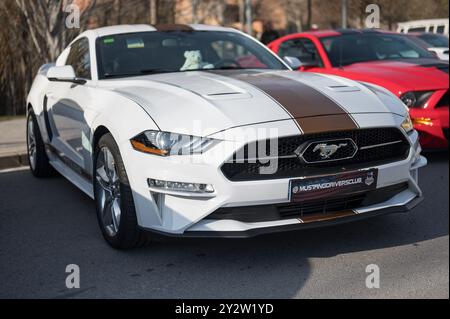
point(327, 150)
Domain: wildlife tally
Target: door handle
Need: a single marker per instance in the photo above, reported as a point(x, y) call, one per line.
point(50, 94)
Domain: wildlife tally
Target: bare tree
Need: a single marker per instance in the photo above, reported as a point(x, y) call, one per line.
point(294, 13)
point(45, 23)
point(309, 14)
point(153, 13)
point(208, 11)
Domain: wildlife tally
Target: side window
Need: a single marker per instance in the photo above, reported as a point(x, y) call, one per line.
point(79, 59)
point(440, 29)
point(303, 49)
point(228, 50)
point(418, 29)
point(231, 53)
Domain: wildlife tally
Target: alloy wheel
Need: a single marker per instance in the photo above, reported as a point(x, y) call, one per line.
point(31, 142)
point(108, 191)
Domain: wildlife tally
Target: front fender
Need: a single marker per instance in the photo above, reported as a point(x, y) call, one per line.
point(121, 116)
point(124, 119)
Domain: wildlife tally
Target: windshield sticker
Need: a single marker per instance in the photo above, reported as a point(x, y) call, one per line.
point(108, 40)
point(136, 43)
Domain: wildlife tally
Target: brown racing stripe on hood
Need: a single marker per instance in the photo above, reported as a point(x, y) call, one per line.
point(312, 110)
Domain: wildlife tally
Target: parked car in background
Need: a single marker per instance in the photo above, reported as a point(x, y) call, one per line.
point(430, 26)
point(436, 43)
point(387, 59)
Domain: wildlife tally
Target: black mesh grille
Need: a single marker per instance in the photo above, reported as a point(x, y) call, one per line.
point(263, 213)
point(241, 169)
point(323, 207)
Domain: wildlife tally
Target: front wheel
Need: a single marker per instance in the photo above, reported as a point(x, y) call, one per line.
point(116, 212)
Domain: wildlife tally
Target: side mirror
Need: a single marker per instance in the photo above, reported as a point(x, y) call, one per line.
point(64, 73)
point(296, 64)
point(293, 62)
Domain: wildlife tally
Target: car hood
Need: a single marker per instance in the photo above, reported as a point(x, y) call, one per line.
point(401, 75)
point(210, 101)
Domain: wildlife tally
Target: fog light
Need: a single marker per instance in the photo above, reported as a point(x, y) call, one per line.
point(180, 187)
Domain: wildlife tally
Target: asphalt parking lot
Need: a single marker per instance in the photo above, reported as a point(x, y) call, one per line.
point(48, 224)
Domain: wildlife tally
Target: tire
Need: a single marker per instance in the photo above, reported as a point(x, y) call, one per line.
point(116, 213)
point(37, 157)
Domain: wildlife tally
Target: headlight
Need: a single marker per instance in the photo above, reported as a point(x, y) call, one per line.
point(407, 124)
point(416, 99)
point(166, 143)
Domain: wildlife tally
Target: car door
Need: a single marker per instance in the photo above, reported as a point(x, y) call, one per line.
point(69, 132)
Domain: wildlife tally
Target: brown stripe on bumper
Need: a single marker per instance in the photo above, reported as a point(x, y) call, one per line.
point(312, 110)
point(173, 27)
point(328, 216)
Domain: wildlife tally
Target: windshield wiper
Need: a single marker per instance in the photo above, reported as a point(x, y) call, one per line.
point(140, 72)
point(118, 75)
point(161, 70)
point(155, 71)
point(227, 67)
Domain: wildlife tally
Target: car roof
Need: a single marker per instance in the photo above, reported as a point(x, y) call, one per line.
point(330, 33)
point(115, 29)
point(423, 22)
point(338, 32)
point(133, 28)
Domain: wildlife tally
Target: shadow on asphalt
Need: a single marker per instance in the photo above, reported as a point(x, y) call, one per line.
point(49, 223)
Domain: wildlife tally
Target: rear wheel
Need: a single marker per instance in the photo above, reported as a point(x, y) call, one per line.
point(37, 157)
point(116, 212)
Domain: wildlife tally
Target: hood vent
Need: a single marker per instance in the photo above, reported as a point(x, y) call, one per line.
point(227, 95)
point(344, 88)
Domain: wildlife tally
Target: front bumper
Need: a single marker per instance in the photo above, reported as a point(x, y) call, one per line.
point(183, 214)
point(331, 220)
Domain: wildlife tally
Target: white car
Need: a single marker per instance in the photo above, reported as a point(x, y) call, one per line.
point(193, 130)
point(430, 25)
point(436, 43)
point(441, 52)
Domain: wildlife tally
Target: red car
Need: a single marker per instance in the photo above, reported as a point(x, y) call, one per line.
point(387, 59)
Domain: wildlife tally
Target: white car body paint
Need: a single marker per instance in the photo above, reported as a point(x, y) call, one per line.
point(223, 106)
point(442, 53)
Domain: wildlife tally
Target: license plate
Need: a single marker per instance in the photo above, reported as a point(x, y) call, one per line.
point(313, 188)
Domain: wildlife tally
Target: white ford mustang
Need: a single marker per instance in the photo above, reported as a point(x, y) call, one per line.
point(194, 130)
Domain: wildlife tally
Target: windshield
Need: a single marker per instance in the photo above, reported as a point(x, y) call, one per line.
point(140, 53)
point(354, 48)
point(435, 40)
